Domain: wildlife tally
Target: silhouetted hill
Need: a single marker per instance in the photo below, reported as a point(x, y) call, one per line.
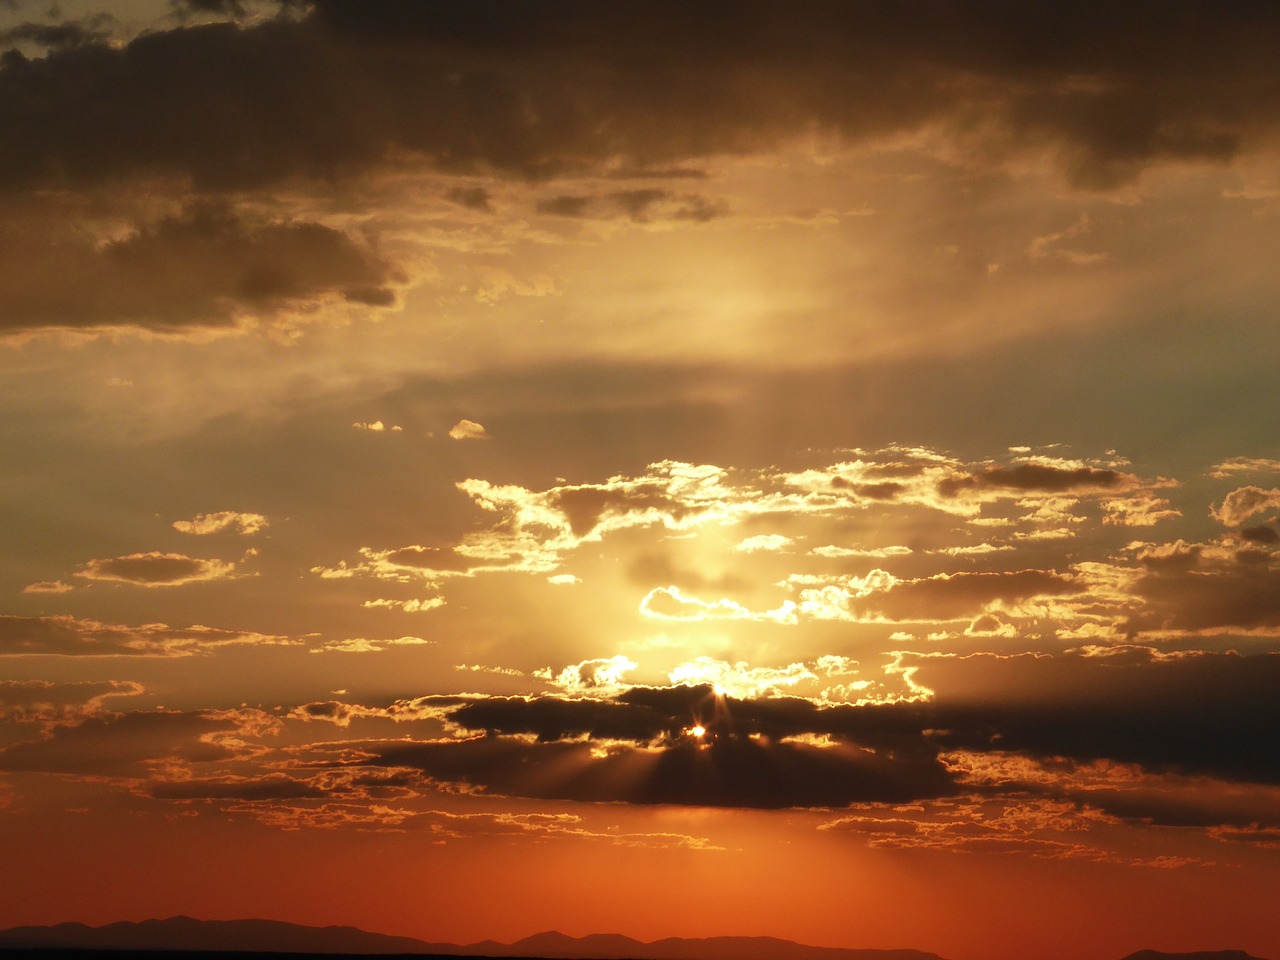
point(184, 933)
point(599, 946)
point(272, 936)
point(1201, 955)
point(252, 937)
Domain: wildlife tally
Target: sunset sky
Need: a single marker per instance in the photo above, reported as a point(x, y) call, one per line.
point(807, 469)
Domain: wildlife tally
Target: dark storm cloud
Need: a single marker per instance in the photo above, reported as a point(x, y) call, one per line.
point(205, 265)
point(535, 88)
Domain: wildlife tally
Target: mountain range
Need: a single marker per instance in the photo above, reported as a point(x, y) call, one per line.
point(274, 936)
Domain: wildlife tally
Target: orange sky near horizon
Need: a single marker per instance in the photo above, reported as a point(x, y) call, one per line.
point(475, 467)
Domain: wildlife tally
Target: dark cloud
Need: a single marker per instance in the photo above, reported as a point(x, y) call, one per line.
point(1260, 534)
point(952, 596)
point(28, 701)
point(122, 746)
point(70, 33)
point(1033, 477)
point(532, 89)
point(156, 569)
point(204, 266)
point(736, 772)
point(246, 788)
point(642, 206)
point(475, 198)
point(1194, 714)
point(1199, 595)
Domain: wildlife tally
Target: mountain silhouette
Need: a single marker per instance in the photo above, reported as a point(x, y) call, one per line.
point(273, 936)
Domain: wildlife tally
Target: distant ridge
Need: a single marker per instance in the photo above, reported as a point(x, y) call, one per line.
point(274, 936)
point(185, 933)
point(178, 934)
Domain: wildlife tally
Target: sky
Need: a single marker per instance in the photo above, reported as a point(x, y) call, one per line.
point(721, 467)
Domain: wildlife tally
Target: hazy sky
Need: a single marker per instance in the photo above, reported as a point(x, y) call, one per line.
point(810, 469)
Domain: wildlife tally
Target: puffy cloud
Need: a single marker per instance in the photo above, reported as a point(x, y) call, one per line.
point(67, 636)
point(468, 430)
point(377, 426)
point(156, 569)
point(1241, 504)
point(246, 524)
point(599, 675)
point(767, 542)
point(1139, 510)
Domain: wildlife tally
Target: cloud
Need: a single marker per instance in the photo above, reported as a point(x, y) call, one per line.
point(246, 524)
point(156, 569)
point(1241, 504)
point(49, 701)
point(48, 586)
point(1189, 591)
point(670, 603)
point(206, 267)
point(599, 675)
point(414, 605)
point(646, 205)
point(765, 542)
point(66, 636)
point(468, 430)
point(508, 85)
point(377, 426)
point(127, 745)
point(1034, 477)
point(1234, 465)
point(364, 645)
point(880, 596)
point(724, 773)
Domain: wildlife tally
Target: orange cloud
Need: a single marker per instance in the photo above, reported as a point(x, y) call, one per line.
point(156, 569)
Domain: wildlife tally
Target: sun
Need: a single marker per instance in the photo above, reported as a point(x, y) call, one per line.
point(697, 731)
